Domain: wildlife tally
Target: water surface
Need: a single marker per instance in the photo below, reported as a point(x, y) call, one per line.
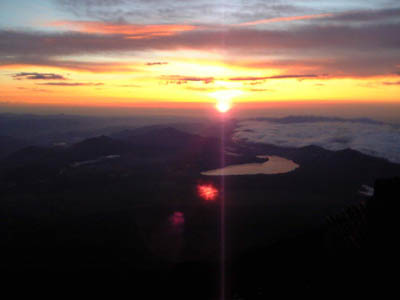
point(274, 165)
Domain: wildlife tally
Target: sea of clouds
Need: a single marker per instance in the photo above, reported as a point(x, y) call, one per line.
point(366, 136)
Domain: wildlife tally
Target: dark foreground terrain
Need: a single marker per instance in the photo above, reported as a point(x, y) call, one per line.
point(121, 215)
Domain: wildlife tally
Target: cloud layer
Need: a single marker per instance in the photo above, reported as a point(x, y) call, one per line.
point(346, 43)
point(371, 138)
point(324, 46)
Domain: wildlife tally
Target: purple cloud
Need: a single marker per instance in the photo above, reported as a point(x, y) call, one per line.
point(156, 63)
point(71, 84)
point(38, 76)
point(179, 79)
point(299, 76)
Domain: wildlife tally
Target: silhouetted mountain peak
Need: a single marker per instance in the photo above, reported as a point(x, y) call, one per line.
point(100, 140)
point(159, 137)
point(164, 132)
point(98, 146)
point(156, 131)
point(313, 148)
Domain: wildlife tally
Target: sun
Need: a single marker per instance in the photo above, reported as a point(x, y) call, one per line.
point(223, 106)
point(224, 99)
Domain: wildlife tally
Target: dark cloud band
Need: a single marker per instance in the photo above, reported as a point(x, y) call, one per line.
point(38, 76)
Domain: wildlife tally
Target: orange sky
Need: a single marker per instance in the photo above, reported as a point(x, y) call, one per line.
point(337, 54)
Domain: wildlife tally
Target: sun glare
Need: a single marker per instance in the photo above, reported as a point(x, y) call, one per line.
point(223, 106)
point(224, 99)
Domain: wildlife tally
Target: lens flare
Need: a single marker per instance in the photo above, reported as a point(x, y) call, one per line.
point(177, 219)
point(207, 192)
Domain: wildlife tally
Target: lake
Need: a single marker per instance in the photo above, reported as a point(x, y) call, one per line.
point(274, 165)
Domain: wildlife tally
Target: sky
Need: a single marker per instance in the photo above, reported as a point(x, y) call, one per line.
point(120, 53)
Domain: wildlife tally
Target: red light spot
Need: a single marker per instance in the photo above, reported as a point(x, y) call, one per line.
point(177, 219)
point(207, 192)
